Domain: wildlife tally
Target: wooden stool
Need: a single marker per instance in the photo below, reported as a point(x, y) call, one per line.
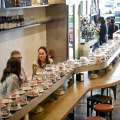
point(104, 110)
point(95, 99)
point(95, 118)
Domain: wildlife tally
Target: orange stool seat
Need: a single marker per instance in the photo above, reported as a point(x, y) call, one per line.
point(103, 108)
point(94, 118)
point(96, 99)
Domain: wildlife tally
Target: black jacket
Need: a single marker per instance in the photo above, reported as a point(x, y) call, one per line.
point(112, 29)
point(102, 34)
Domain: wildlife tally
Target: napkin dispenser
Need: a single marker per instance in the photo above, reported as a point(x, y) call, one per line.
point(80, 77)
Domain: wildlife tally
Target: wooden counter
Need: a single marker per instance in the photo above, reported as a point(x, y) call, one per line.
point(60, 108)
point(33, 103)
point(97, 66)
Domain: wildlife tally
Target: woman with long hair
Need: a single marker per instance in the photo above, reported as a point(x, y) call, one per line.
point(103, 31)
point(10, 80)
point(42, 60)
point(114, 28)
point(16, 54)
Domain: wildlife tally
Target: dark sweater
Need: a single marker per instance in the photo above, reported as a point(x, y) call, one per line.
point(102, 34)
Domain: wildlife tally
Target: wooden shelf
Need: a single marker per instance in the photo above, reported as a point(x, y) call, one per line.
point(29, 26)
point(20, 28)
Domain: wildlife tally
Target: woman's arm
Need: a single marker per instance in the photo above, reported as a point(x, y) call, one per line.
point(51, 61)
point(13, 84)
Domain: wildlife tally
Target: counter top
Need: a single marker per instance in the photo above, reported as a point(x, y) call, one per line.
point(116, 35)
point(91, 42)
point(97, 66)
point(60, 108)
point(34, 102)
point(85, 48)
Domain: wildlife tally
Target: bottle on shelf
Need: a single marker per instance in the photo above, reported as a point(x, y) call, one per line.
point(8, 22)
point(2, 25)
point(5, 23)
point(21, 19)
point(17, 3)
point(11, 22)
point(45, 2)
point(17, 21)
point(28, 2)
point(13, 3)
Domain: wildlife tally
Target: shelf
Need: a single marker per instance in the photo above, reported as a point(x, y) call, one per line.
point(28, 26)
point(17, 8)
point(34, 25)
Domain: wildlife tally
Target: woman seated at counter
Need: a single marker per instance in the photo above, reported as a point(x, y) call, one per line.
point(10, 80)
point(16, 54)
point(42, 60)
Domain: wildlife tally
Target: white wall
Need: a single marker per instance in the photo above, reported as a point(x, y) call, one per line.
point(27, 41)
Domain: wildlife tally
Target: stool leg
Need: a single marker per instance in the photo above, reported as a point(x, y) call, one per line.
point(92, 104)
point(110, 115)
point(114, 91)
point(97, 113)
point(102, 114)
point(106, 70)
point(71, 115)
point(91, 92)
point(102, 91)
point(111, 102)
point(87, 108)
point(107, 91)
